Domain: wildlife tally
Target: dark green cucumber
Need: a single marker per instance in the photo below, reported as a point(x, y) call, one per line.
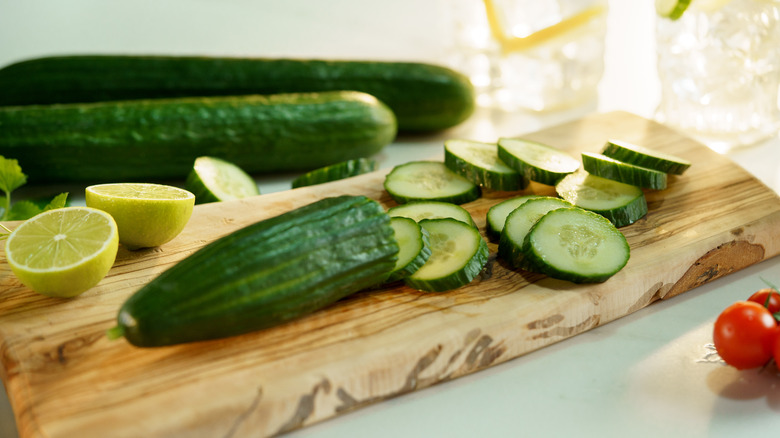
point(160, 138)
point(265, 274)
point(641, 156)
point(335, 172)
point(610, 168)
point(423, 96)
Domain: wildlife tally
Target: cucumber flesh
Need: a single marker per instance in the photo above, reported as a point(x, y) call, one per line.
point(576, 245)
point(420, 210)
point(536, 161)
point(640, 156)
point(216, 180)
point(622, 204)
point(335, 172)
point(605, 167)
point(414, 247)
point(458, 255)
point(496, 215)
point(479, 163)
point(519, 222)
point(429, 181)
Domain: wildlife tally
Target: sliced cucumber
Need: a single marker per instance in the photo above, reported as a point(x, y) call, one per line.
point(576, 245)
point(458, 255)
point(479, 163)
point(335, 172)
point(610, 168)
point(414, 247)
point(519, 222)
point(496, 215)
point(536, 161)
point(671, 9)
point(622, 204)
point(429, 181)
point(640, 156)
point(419, 210)
point(213, 180)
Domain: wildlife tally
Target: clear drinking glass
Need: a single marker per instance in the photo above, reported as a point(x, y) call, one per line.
point(530, 54)
point(719, 68)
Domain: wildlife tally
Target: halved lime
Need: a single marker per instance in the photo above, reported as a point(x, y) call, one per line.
point(63, 252)
point(214, 180)
point(147, 215)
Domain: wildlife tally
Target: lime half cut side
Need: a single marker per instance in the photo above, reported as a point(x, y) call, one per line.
point(147, 215)
point(63, 252)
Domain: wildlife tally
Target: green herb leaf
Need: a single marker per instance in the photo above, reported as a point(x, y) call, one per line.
point(11, 176)
point(22, 210)
point(59, 201)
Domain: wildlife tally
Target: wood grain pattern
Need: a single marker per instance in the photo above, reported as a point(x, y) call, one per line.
point(65, 379)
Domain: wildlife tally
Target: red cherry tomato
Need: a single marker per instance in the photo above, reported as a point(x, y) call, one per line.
point(761, 296)
point(744, 335)
point(776, 351)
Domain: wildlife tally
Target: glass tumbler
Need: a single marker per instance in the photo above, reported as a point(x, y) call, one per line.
point(719, 70)
point(535, 55)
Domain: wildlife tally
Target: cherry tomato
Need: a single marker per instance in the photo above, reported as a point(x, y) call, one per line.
point(776, 351)
point(744, 335)
point(761, 296)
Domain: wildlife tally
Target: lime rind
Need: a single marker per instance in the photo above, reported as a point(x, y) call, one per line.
point(147, 215)
point(33, 250)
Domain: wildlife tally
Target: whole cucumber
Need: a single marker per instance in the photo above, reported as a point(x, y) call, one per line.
point(159, 139)
point(265, 274)
point(424, 97)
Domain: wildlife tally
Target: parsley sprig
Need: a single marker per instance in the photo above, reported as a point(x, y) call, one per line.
point(11, 178)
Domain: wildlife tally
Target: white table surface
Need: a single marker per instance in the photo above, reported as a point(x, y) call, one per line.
point(648, 374)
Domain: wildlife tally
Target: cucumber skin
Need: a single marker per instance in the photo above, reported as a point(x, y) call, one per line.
point(265, 274)
point(335, 172)
point(629, 156)
point(541, 176)
point(484, 178)
point(424, 97)
point(160, 139)
point(623, 172)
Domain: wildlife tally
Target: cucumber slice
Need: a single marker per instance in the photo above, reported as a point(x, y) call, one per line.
point(605, 167)
point(537, 162)
point(640, 156)
point(622, 204)
point(479, 163)
point(671, 9)
point(213, 180)
point(414, 247)
point(576, 245)
point(335, 172)
point(496, 215)
point(419, 210)
point(429, 181)
point(519, 222)
point(458, 255)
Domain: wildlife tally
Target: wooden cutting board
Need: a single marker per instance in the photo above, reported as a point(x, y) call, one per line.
point(66, 379)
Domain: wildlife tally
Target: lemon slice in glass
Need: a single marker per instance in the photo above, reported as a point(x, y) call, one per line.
point(147, 215)
point(63, 252)
point(671, 9)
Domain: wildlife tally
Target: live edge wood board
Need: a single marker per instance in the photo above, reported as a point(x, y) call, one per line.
point(66, 379)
